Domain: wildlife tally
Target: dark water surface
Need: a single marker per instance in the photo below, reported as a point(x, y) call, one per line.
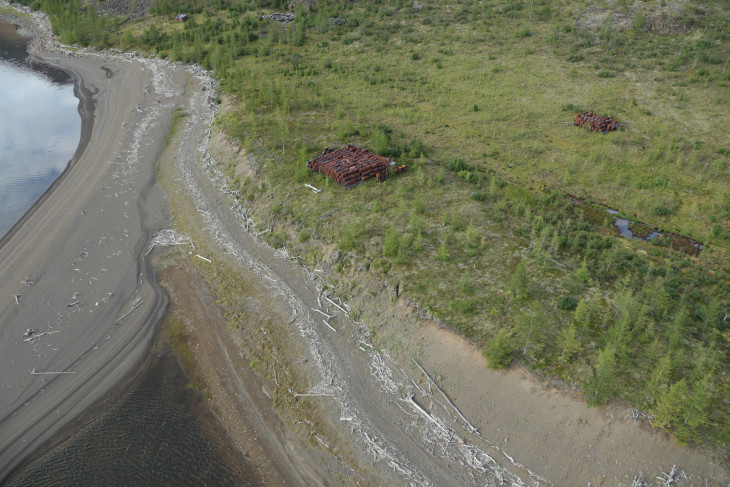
point(159, 432)
point(40, 126)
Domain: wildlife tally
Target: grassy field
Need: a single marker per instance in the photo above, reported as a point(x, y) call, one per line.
point(477, 99)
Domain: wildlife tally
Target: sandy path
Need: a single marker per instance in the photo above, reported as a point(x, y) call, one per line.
point(76, 259)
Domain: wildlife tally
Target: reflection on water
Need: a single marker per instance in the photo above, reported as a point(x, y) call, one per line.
point(40, 127)
point(624, 227)
point(159, 432)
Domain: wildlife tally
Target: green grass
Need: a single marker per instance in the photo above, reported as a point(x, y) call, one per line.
point(177, 117)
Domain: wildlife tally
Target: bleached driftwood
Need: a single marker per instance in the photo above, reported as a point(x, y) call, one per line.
point(205, 259)
point(135, 305)
point(168, 238)
point(329, 326)
point(675, 475)
point(639, 481)
point(313, 188)
point(425, 413)
point(33, 337)
point(337, 306)
point(471, 426)
point(322, 441)
point(322, 313)
point(637, 415)
point(50, 373)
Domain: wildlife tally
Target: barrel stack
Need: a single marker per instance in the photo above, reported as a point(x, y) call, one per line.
point(351, 165)
point(593, 121)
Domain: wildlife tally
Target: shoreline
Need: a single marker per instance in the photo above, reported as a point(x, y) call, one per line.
point(86, 109)
point(76, 258)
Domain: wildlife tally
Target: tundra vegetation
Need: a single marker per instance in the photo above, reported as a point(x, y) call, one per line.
point(473, 97)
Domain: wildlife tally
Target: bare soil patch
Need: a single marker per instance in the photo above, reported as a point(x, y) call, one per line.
point(553, 431)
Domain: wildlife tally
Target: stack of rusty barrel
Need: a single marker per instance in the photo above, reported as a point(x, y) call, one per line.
point(595, 122)
point(350, 165)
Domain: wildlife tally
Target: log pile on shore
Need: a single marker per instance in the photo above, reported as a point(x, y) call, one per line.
point(351, 165)
point(595, 122)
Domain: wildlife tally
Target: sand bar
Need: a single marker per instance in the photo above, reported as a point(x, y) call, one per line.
point(75, 263)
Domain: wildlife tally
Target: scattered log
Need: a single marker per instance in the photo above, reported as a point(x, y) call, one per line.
point(329, 326)
point(472, 428)
point(33, 337)
point(136, 305)
point(425, 413)
point(50, 373)
point(337, 305)
point(322, 313)
point(672, 477)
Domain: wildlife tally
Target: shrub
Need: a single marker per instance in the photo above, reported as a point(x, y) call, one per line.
point(380, 139)
point(568, 303)
point(442, 255)
point(468, 176)
point(348, 237)
point(301, 173)
point(390, 243)
point(418, 205)
point(526, 32)
point(499, 351)
point(464, 306)
point(415, 148)
point(459, 164)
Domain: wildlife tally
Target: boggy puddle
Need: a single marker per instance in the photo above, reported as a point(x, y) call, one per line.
point(599, 214)
point(153, 430)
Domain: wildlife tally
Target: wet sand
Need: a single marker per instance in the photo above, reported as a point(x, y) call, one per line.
point(75, 262)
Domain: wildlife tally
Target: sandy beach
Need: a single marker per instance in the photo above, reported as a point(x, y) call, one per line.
point(73, 268)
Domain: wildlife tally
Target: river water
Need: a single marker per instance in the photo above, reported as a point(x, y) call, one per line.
point(155, 429)
point(40, 126)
